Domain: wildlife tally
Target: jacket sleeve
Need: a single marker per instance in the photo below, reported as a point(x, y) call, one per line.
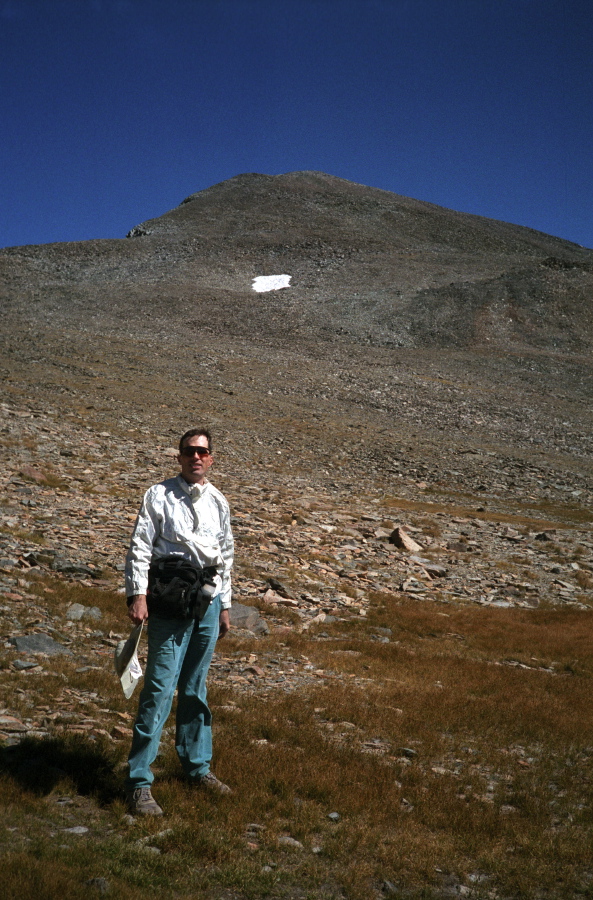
point(144, 535)
point(227, 550)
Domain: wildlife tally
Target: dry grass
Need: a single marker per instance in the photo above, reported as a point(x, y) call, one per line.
point(554, 514)
point(459, 753)
point(35, 537)
point(584, 579)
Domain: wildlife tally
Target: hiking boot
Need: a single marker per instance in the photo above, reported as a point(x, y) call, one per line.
point(211, 783)
point(141, 802)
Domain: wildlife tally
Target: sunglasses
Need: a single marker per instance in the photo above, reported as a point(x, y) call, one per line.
point(190, 451)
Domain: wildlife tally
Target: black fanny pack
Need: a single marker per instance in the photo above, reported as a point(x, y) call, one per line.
point(178, 589)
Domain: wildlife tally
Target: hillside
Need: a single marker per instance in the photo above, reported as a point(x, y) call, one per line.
point(366, 265)
point(396, 718)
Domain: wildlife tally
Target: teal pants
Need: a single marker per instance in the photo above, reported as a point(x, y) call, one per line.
point(179, 656)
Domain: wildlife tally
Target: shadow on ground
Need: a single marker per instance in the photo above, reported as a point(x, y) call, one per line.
point(38, 765)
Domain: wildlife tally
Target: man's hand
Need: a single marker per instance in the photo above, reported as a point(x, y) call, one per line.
point(138, 611)
point(224, 623)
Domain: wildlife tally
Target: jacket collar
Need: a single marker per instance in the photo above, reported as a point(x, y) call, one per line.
point(192, 490)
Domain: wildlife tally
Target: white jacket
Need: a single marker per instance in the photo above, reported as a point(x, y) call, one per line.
point(189, 520)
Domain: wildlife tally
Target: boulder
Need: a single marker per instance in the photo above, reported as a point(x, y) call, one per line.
point(67, 567)
point(243, 616)
point(403, 540)
point(38, 643)
point(76, 612)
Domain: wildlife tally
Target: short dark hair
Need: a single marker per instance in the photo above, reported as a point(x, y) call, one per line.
point(196, 432)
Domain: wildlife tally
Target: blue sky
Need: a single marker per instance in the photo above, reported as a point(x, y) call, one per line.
point(113, 111)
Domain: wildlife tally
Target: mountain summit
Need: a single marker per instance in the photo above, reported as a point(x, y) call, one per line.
point(362, 264)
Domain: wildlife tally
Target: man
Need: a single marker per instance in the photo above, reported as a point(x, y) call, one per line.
point(184, 517)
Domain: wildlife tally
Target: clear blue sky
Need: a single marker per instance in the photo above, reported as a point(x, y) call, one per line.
point(113, 111)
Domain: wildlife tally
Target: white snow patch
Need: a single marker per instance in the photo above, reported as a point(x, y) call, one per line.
point(270, 282)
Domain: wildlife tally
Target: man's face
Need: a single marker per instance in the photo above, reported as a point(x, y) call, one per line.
point(194, 465)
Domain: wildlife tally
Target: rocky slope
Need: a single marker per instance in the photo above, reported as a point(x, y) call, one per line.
point(367, 266)
point(132, 340)
point(407, 426)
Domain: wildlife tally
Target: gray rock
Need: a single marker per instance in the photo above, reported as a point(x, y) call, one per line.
point(67, 567)
point(99, 884)
point(138, 231)
point(408, 752)
point(279, 588)
point(431, 567)
point(244, 616)
point(40, 558)
point(401, 539)
point(12, 724)
point(286, 841)
point(22, 664)
point(261, 627)
point(154, 837)
point(39, 643)
point(75, 612)
point(334, 817)
point(76, 829)
point(412, 586)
